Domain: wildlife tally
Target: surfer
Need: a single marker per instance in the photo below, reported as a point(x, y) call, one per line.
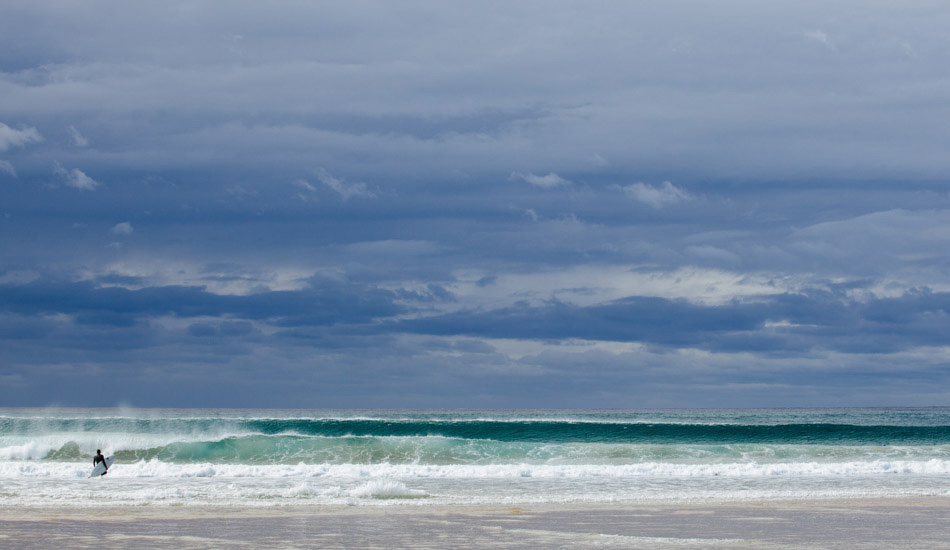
point(99, 458)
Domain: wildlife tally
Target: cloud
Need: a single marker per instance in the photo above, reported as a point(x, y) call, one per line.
point(898, 241)
point(75, 178)
point(487, 280)
point(124, 228)
point(7, 168)
point(658, 197)
point(323, 302)
point(308, 190)
point(768, 115)
point(821, 37)
point(711, 253)
point(550, 181)
point(344, 189)
point(332, 328)
point(10, 137)
point(79, 140)
point(801, 200)
point(773, 113)
point(784, 323)
point(305, 185)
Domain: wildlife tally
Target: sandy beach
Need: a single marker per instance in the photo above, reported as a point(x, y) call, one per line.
point(843, 524)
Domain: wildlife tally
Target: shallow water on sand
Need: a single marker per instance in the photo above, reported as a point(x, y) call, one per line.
point(842, 524)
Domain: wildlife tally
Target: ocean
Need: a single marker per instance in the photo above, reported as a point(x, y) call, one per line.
point(232, 457)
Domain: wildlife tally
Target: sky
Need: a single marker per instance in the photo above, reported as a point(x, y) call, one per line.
point(438, 204)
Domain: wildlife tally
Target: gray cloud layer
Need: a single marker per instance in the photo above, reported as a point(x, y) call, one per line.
point(530, 204)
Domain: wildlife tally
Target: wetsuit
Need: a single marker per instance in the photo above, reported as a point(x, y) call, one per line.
point(99, 458)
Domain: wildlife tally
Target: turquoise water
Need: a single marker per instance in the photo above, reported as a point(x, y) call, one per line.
point(316, 456)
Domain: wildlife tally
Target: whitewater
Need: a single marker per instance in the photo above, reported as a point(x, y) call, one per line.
point(380, 457)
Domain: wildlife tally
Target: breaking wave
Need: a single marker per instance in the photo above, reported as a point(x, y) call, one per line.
point(262, 458)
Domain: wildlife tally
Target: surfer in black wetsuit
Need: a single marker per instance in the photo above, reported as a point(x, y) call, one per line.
point(99, 458)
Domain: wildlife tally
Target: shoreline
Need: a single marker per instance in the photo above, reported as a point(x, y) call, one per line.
point(96, 511)
point(901, 522)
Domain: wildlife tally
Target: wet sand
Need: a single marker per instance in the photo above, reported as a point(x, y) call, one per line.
point(840, 524)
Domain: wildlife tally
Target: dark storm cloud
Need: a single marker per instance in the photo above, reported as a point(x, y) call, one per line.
point(782, 323)
point(323, 304)
point(779, 323)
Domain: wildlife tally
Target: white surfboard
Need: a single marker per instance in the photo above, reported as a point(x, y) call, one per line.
point(100, 469)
